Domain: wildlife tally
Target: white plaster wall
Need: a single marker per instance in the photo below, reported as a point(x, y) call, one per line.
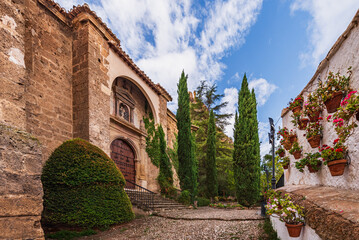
point(118, 68)
point(347, 55)
point(307, 232)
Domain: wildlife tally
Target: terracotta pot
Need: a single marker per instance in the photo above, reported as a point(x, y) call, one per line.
point(333, 103)
point(287, 145)
point(314, 117)
point(285, 166)
point(282, 154)
point(303, 123)
point(294, 229)
point(314, 141)
point(297, 109)
point(293, 138)
point(337, 167)
point(297, 154)
point(312, 170)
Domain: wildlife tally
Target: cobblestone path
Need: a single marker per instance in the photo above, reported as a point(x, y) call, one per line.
point(202, 223)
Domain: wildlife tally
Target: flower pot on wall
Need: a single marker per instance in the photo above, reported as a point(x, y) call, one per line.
point(285, 166)
point(311, 169)
point(297, 154)
point(296, 109)
point(287, 145)
point(282, 154)
point(294, 229)
point(293, 138)
point(303, 123)
point(333, 103)
point(314, 141)
point(314, 116)
point(337, 167)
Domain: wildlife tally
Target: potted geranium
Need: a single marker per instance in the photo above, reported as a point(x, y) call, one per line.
point(334, 157)
point(333, 89)
point(292, 136)
point(343, 119)
point(288, 212)
point(284, 134)
point(313, 107)
point(299, 121)
point(311, 160)
point(280, 152)
point(296, 104)
point(285, 161)
point(296, 150)
point(314, 133)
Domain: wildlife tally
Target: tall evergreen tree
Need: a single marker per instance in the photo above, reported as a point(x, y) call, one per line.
point(211, 169)
point(246, 156)
point(187, 171)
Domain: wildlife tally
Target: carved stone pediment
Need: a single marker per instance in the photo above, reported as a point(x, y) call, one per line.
point(124, 96)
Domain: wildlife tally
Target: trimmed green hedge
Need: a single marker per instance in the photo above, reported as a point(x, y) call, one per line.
point(202, 202)
point(83, 187)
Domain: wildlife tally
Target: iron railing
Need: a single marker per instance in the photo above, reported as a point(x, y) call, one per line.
point(140, 196)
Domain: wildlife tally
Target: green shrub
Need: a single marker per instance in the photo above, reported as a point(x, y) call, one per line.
point(65, 234)
point(202, 202)
point(83, 187)
point(185, 197)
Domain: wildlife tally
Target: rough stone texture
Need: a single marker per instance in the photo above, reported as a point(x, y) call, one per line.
point(153, 227)
point(333, 213)
point(20, 185)
point(345, 57)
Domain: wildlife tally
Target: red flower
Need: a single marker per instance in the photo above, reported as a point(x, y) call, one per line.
point(320, 118)
point(339, 150)
point(336, 140)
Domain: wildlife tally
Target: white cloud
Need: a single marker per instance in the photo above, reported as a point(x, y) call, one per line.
point(230, 96)
point(165, 36)
point(329, 20)
point(263, 130)
point(263, 89)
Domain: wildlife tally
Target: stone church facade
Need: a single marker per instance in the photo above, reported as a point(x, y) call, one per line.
point(64, 75)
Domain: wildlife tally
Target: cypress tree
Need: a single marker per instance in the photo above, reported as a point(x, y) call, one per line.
point(246, 147)
point(211, 170)
point(165, 177)
point(187, 170)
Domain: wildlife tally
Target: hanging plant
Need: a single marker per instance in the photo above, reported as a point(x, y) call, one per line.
point(284, 161)
point(333, 89)
point(314, 133)
point(280, 152)
point(292, 136)
point(343, 119)
point(311, 160)
point(296, 150)
point(334, 157)
point(313, 107)
point(284, 134)
point(296, 104)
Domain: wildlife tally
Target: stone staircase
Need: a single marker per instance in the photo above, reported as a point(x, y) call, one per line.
point(149, 201)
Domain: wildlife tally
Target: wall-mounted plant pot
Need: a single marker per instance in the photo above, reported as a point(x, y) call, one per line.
point(333, 103)
point(282, 154)
point(312, 170)
point(287, 145)
point(297, 109)
point(285, 166)
point(337, 167)
point(293, 138)
point(314, 141)
point(303, 123)
point(297, 154)
point(294, 229)
point(314, 116)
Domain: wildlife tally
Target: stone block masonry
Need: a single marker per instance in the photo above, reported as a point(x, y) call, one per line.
point(20, 185)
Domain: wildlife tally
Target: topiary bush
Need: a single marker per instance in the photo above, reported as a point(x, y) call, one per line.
point(185, 197)
point(83, 187)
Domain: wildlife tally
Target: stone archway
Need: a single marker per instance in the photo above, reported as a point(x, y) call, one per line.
point(124, 157)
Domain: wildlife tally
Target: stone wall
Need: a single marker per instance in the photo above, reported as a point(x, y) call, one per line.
point(345, 55)
point(20, 185)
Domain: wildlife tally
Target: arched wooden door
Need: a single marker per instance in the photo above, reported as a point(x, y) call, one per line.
point(124, 157)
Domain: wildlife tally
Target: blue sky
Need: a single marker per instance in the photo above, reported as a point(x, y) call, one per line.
point(277, 43)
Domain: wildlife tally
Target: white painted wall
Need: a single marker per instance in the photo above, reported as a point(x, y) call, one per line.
point(307, 232)
point(346, 56)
